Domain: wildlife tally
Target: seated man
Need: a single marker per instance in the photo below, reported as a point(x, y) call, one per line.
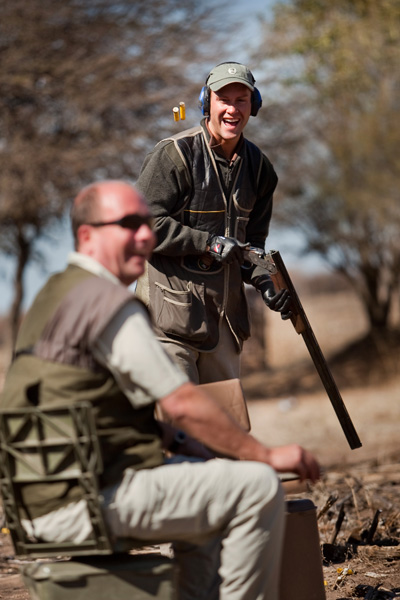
point(86, 337)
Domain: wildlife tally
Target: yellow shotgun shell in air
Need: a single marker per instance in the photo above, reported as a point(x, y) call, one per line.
point(175, 110)
point(182, 110)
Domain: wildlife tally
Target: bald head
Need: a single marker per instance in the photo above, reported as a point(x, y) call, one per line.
point(121, 247)
point(87, 205)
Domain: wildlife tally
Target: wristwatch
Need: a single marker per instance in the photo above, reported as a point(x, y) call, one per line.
point(179, 439)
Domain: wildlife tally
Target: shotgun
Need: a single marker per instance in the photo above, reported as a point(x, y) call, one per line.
point(273, 263)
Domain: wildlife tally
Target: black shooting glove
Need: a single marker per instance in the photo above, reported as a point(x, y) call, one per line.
point(278, 301)
point(226, 250)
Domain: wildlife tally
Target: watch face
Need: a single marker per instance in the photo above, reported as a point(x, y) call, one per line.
point(180, 437)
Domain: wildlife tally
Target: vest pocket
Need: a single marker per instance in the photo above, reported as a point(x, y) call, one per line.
point(181, 312)
point(240, 228)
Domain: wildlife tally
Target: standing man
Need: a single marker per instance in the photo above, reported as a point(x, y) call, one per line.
point(210, 191)
point(86, 337)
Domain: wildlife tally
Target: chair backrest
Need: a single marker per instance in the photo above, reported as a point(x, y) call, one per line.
point(46, 445)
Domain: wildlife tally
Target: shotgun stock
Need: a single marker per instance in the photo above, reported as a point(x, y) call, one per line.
point(273, 263)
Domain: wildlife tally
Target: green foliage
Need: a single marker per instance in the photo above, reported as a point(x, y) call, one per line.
point(341, 148)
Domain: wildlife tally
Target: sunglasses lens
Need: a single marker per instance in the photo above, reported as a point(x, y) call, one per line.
point(128, 222)
point(136, 221)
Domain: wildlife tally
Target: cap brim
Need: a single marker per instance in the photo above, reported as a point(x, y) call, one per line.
point(218, 85)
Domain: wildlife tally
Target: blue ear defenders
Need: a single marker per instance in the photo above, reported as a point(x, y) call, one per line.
point(204, 101)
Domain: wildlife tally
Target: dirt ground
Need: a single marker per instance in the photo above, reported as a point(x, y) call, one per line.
point(364, 484)
point(358, 497)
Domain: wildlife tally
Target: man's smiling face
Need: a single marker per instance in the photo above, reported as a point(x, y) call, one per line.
point(230, 109)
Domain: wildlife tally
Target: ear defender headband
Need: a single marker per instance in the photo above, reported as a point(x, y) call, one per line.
point(224, 74)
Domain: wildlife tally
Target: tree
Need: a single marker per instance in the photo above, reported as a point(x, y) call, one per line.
point(335, 140)
point(85, 89)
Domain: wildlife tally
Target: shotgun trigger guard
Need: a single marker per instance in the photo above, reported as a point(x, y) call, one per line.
point(258, 257)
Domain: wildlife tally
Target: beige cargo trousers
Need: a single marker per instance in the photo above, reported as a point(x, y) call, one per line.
point(225, 519)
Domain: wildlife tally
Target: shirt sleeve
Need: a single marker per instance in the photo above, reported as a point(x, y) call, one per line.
point(130, 350)
point(260, 216)
point(165, 183)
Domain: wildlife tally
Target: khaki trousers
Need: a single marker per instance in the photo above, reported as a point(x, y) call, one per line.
point(225, 519)
point(207, 367)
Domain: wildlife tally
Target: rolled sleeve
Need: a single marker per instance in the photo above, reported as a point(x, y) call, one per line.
point(130, 350)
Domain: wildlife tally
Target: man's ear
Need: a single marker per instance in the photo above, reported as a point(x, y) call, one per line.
point(83, 234)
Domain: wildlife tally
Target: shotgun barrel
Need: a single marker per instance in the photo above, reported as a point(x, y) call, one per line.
point(273, 263)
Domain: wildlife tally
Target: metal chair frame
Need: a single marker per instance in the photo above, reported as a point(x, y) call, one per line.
point(46, 445)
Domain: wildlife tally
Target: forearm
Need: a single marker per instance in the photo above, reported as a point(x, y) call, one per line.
point(197, 414)
point(191, 410)
point(175, 239)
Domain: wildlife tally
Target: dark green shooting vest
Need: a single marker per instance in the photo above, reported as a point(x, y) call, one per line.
point(187, 296)
point(53, 365)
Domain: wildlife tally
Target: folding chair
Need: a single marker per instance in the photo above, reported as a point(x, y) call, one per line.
point(60, 445)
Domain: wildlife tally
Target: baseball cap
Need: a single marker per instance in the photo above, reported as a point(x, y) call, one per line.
point(227, 73)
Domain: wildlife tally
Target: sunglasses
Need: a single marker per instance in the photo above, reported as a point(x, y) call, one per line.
point(128, 222)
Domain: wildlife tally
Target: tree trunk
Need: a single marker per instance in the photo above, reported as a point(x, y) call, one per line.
point(377, 296)
point(22, 253)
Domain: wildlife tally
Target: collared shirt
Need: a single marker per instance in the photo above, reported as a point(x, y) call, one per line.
point(128, 348)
